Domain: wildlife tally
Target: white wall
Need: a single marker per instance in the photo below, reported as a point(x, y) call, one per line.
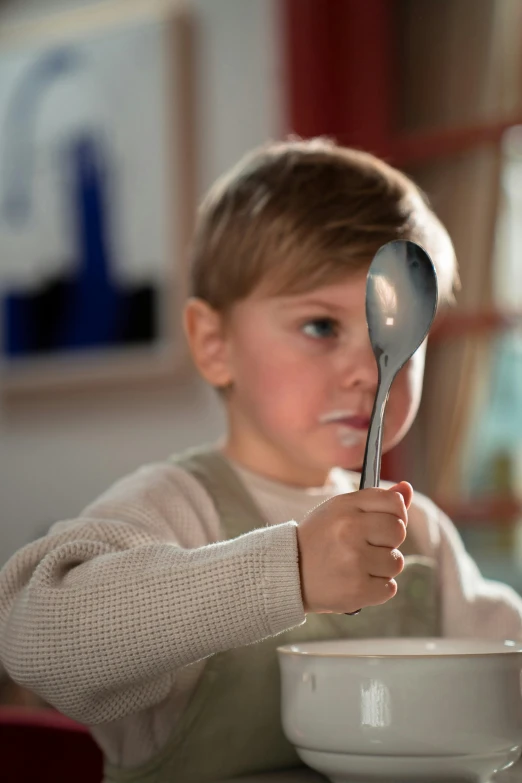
point(57, 455)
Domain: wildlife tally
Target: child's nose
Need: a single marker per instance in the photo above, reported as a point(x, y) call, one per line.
point(360, 368)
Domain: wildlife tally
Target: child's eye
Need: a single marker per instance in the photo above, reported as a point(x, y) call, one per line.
point(321, 328)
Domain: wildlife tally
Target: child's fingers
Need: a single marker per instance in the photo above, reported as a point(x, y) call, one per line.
point(380, 590)
point(406, 490)
point(383, 530)
point(384, 562)
point(376, 500)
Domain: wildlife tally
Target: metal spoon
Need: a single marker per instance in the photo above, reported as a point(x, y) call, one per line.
point(401, 301)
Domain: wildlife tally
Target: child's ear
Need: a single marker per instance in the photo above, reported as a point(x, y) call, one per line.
point(205, 331)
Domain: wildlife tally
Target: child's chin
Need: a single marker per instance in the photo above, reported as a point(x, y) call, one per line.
point(350, 458)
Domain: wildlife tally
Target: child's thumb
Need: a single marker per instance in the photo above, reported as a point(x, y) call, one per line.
point(406, 490)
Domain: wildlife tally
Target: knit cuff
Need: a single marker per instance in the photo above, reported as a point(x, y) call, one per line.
point(280, 582)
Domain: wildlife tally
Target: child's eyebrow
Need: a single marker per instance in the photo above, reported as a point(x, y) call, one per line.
point(310, 303)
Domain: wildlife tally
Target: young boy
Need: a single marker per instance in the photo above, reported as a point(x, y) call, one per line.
point(155, 616)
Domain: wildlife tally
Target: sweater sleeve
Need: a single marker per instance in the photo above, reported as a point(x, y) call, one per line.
point(97, 616)
point(471, 605)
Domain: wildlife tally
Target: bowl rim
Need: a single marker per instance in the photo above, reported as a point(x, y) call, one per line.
point(512, 647)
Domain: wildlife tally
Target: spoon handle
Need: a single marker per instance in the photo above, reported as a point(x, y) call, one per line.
point(371, 469)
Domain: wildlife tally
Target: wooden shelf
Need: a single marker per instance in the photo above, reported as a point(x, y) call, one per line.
point(454, 325)
point(349, 53)
point(492, 509)
point(421, 147)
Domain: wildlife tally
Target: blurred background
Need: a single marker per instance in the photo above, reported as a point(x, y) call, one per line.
point(114, 119)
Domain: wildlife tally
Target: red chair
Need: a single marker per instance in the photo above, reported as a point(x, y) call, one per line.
point(39, 745)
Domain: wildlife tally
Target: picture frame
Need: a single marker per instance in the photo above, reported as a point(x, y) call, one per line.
point(97, 196)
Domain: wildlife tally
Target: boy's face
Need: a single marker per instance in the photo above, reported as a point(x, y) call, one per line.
point(303, 380)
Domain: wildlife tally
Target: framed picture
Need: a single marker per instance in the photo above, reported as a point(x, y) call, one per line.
point(96, 197)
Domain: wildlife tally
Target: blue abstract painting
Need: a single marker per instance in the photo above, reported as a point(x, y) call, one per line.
point(84, 207)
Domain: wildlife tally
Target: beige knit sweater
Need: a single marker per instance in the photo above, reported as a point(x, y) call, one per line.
point(111, 615)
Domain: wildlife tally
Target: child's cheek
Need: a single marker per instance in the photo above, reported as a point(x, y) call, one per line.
point(288, 399)
point(404, 401)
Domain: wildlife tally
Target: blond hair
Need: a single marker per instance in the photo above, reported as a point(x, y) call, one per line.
point(295, 215)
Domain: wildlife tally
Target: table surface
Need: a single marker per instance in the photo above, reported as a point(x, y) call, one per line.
point(512, 775)
point(296, 776)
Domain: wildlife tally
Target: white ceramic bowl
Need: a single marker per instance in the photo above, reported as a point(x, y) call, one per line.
point(453, 704)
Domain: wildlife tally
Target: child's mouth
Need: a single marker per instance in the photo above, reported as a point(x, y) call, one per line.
point(353, 421)
point(351, 428)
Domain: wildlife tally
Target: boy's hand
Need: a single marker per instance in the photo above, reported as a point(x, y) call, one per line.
point(348, 549)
